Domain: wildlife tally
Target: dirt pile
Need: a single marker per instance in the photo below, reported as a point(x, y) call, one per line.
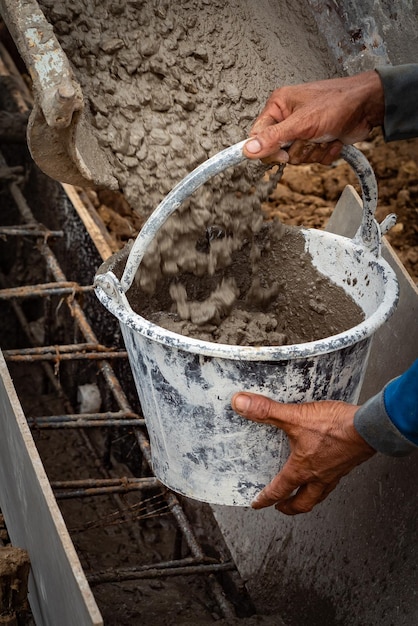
point(308, 193)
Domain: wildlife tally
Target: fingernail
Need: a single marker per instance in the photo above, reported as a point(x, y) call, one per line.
point(253, 146)
point(256, 499)
point(242, 403)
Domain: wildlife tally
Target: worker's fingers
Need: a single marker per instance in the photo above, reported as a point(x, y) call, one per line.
point(297, 152)
point(260, 408)
point(281, 491)
point(281, 156)
point(300, 151)
point(269, 141)
point(275, 136)
point(331, 153)
point(311, 152)
point(306, 498)
point(256, 148)
point(268, 117)
point(281, 488)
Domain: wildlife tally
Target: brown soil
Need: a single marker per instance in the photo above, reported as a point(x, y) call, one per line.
point(308, 193)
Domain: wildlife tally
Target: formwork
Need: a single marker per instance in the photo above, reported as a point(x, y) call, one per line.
point(129, 535)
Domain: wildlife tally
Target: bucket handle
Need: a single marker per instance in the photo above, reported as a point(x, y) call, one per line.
point(368, 235)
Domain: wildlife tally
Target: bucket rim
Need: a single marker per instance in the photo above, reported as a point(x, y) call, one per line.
point(347, 338)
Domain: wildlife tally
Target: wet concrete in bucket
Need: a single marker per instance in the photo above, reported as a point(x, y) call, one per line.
point(268, 294)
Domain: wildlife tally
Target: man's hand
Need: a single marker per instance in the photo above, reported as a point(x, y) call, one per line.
point(324, 447)
point(316, 119)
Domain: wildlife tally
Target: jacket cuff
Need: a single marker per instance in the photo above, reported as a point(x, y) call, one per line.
point(375, 426)
point(400, 87)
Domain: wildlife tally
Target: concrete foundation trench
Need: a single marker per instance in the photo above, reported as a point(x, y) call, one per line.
point(149, 557)
point(165, 86)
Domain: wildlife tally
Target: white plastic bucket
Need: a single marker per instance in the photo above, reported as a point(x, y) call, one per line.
point(200, 447)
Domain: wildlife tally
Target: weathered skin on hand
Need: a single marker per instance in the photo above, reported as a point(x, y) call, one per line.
point(317, 119)
point(324, 447)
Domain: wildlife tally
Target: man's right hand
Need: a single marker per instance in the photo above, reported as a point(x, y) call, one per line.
point(316, 119)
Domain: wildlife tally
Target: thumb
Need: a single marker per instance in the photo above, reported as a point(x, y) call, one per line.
point(251, 405)
point(260, 408)
point(273, 138)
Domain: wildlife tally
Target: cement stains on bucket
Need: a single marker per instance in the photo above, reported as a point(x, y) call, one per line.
point(200, 448)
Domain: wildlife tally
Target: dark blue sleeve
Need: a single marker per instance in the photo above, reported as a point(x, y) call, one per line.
point(401, 402)
point(389, 420)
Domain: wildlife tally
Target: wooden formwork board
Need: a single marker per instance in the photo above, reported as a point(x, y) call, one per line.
point(58, 590)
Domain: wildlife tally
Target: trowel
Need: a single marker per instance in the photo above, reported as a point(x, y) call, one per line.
point(60, 138)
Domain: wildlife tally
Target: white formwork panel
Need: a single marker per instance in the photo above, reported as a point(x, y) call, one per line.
point(59, 593)
point(395, 344)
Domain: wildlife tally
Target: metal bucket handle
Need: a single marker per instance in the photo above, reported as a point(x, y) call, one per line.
point(368, 234)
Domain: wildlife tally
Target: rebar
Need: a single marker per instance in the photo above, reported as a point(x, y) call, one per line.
point(125, 417)
point(91, 349)
point(30, 231)
point(44, 290)
point(12, 355)
point(162, 570)
point(84, 420)
point(101, 487)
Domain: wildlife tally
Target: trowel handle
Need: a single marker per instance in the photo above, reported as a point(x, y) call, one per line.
point(215, 165)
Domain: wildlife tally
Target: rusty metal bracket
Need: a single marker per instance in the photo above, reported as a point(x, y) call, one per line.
point(56, 88)
point(59, 135)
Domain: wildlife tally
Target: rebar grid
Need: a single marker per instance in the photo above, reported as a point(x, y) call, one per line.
point(95, 352)
point(90, 349)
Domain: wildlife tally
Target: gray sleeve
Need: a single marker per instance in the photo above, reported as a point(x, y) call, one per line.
point(373, 424)
point(400, 86)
